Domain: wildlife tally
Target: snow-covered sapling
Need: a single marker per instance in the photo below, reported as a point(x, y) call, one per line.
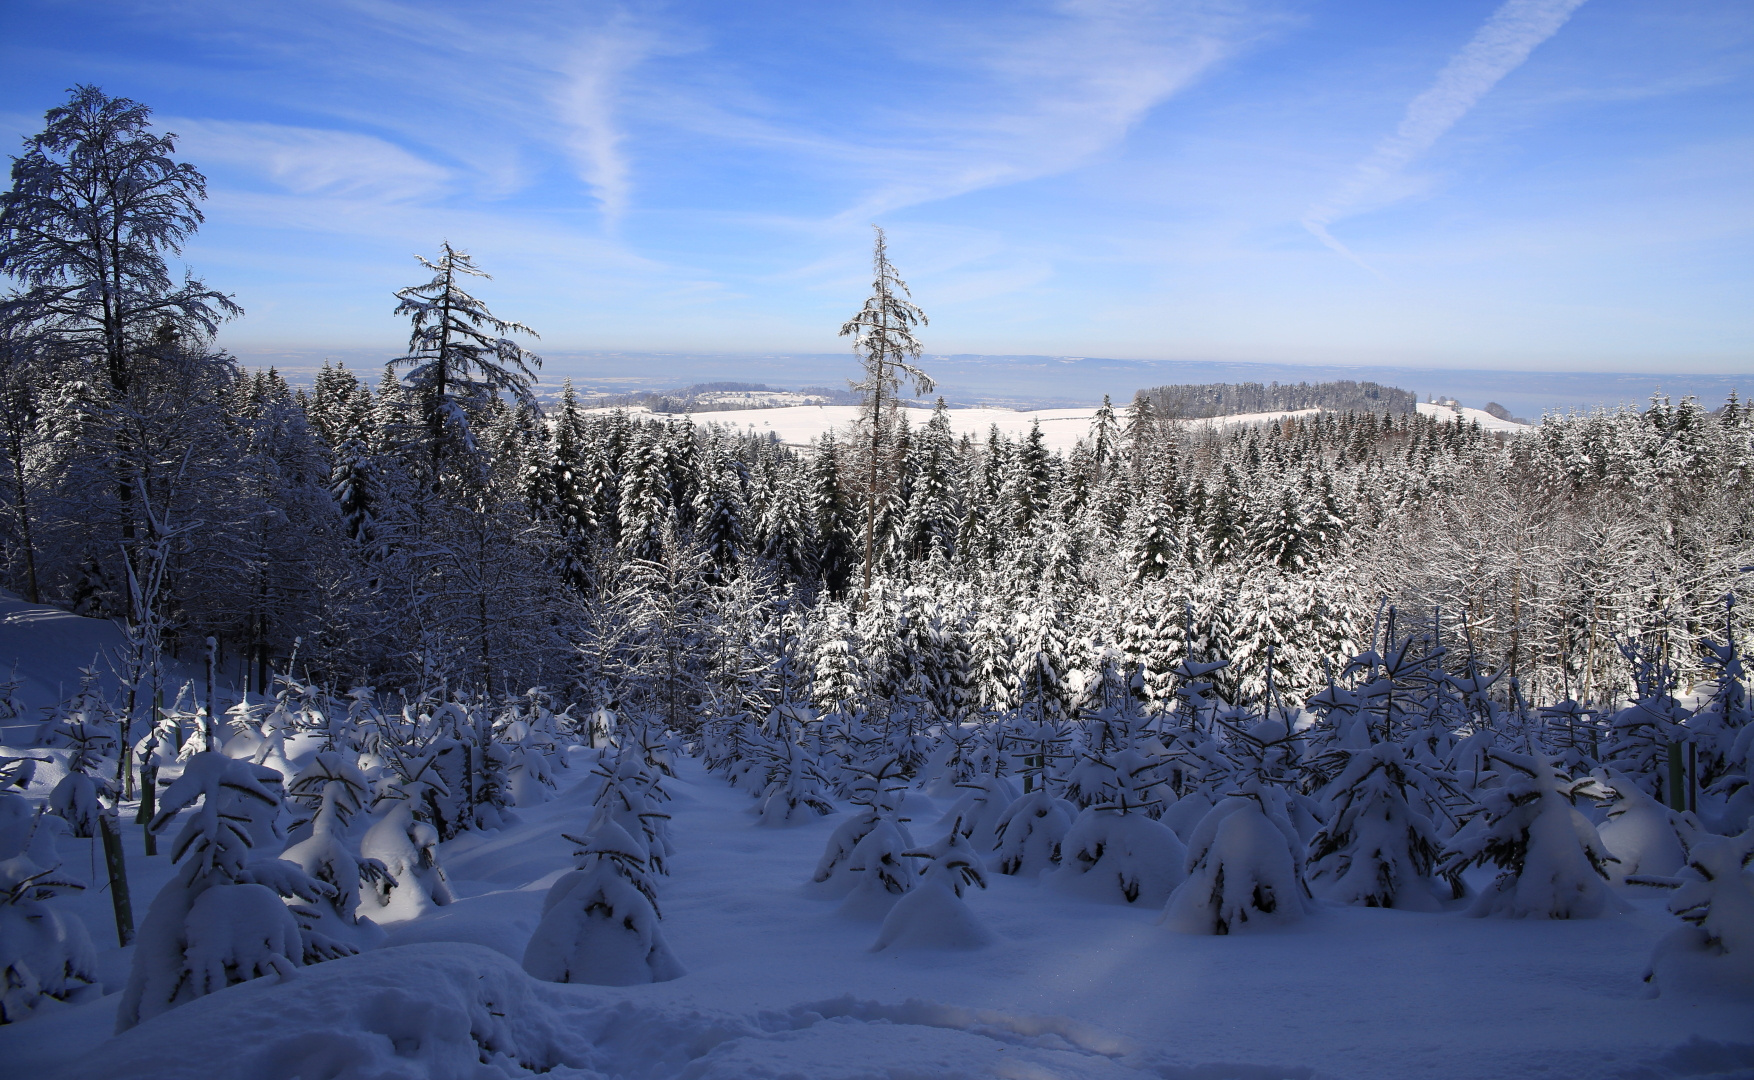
point(1714, 895)
point(332, 927)
point(222, 918)
point(796, 792)
point(932, 914)
point(1552, 864)
point(983, 802)
point(45, 951)
point(1377, 849)
point(875, 793)
point(413, 881)
point(1116, 854)
point(1030, 833)
point(1243, 870)
point(878, 870)
point(600, 922)
point(1639, 833)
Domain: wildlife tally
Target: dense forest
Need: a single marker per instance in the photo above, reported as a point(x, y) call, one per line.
point(1229, 399)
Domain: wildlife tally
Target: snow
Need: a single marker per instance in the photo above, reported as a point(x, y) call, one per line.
point(779, 984)
point(1060, 428)
point(44, 648)
point(1480, 416)
point(799, 425)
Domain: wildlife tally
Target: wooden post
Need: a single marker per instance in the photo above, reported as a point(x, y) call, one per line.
point(116, 863)
point(1677, 781)
point(149, 780)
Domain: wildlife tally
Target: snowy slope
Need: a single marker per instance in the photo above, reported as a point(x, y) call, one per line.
point(1481, 416)
point(780, 985)
point(1061, 428)
point(44, 648)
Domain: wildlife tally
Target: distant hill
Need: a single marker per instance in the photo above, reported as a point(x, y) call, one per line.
point(1196, 401)
point(720, 397)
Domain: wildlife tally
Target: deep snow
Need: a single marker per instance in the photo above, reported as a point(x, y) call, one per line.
point(780, 985)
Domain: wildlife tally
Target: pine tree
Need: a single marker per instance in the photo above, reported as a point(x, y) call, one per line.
point(458, 357)
point(883, 337)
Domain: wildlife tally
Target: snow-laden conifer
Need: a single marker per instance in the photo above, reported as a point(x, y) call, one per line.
point(879, 871)
point(221, 919)
point(600, 922)
point(932, 914)
point(1030, 833)
point(1551, 862)
point(45, 951)
point(413, 881)
point(1377, 847)
point(1243, 868)
point(1639, 832)
point(1714, 895)
point(1114, 851)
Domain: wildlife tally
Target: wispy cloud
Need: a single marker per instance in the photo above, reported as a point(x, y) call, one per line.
point(312, 161)
point(590, 103)
point(948, 105)
point(1496, 49)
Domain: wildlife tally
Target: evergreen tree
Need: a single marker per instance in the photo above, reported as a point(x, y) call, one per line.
point(883, 337)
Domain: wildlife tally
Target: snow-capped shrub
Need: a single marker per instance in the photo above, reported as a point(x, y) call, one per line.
point(1714, 895)
point(330, 778)
point(1639, 834)
point(830, 877)
point(1242, 869)
point(879, 871)
point(1030, 833)
point(600, 922)
point(1377, 849)
point(1552, 864)
point(797, 791)
point(1116, 856)
point(630, 791)
point(221, 919)
point(413, 881)
point(44, 950)
point(78, 800)
point(529, 778)
point(977, 813)
point(932, 914)
point(331, 927)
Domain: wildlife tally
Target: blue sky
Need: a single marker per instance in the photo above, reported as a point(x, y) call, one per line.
point(1542, 184)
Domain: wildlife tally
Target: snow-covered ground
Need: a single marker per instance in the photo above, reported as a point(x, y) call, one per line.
point(44, 648)
point(1480, 416)
point(1061, 428)
point(780, 985)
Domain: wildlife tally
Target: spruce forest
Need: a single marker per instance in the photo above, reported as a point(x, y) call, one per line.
point(368, 631)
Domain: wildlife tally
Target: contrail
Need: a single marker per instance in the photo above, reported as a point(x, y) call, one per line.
point(1496, 49)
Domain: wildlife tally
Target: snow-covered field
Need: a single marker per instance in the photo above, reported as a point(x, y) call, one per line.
point(1060, 428)
point(1479, 416)
point(779, 984)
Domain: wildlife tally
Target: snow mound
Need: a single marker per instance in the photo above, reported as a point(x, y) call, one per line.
point(442, 1011)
